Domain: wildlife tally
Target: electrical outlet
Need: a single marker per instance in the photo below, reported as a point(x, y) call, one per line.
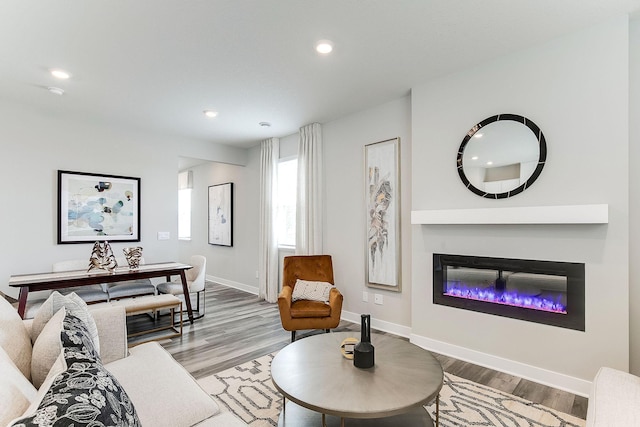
point(257, 274)
point(164, 235)
point(377, 298)
point(365, 296)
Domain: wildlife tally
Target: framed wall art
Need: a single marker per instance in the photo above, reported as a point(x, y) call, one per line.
point(382, 212)
point(94, 207)
point(221, 214)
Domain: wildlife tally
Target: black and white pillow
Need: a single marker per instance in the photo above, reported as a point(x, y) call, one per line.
point(86, 394)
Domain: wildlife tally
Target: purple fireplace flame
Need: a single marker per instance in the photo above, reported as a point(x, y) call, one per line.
point(535, 302)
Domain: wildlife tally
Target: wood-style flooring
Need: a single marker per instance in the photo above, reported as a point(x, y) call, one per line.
point(238, 327)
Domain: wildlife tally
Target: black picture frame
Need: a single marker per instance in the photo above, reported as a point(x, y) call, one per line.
point(220, 215)
point(97, 207)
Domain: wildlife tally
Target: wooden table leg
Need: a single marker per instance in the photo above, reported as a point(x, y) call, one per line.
point(187, 298)
point(22, 300)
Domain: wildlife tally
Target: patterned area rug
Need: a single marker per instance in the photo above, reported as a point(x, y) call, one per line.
point(247, 391)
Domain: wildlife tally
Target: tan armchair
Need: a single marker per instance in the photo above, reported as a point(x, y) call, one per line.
point(306, 314)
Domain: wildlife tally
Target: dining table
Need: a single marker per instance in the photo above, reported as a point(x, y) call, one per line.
point(65, 279)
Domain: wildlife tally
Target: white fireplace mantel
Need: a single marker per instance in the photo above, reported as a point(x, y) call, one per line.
point(574, 214)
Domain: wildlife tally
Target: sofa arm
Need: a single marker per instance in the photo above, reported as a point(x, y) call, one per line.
point(112, 331)
point(613, 400)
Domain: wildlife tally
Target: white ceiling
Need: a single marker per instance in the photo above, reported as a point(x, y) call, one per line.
point(157, 64)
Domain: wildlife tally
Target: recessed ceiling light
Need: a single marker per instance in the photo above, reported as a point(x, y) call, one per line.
point(477, 135)
point(265, 124)
point(324, 47)
point(60, 74)
point(55, 90)
point(210, 113)
point(474, 158)
point(489, 163)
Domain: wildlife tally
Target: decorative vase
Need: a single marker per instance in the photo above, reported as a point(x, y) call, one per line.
point(133, 257)
point(363, 353)
point(102, 257)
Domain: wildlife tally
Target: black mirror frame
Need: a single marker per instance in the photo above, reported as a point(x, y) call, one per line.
point(536, 173)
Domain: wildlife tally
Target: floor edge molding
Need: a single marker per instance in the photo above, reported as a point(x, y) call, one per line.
point(549, 378)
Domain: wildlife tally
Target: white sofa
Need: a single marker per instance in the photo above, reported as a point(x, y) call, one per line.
point(162, 392)
point(614, 400)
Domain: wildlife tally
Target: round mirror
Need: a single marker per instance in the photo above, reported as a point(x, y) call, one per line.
point(501, 156)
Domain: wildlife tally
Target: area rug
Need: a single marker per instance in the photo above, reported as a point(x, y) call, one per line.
point(247, 391)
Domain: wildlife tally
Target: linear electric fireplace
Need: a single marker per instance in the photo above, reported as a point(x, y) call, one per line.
point(545, 292)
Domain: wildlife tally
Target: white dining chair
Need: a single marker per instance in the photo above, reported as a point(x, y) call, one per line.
point(195, 283)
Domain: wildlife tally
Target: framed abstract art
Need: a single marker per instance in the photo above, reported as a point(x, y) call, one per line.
point(95, 207)
point(221, 214)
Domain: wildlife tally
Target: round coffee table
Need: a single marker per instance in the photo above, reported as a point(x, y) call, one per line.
point(316, 380)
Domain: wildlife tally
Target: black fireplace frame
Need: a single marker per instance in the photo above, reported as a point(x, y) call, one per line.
point(573, 319)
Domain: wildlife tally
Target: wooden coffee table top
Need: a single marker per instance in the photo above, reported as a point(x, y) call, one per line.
point(313, 373)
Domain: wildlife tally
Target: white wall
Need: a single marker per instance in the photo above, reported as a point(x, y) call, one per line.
point(345, 216)
point(35, 145)
point(236, 265)
point(634, 194)
point(576, 89)
point(289, 145)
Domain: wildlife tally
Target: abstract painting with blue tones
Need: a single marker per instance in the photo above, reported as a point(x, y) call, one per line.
point(95, 207)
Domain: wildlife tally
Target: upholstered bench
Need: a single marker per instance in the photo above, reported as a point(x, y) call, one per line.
point(152, 304)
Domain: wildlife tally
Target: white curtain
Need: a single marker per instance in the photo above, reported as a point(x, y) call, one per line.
point(268, 245)
point(309, 197)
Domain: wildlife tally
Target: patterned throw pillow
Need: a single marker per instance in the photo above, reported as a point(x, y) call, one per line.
point(86, 394)
point(314, 291)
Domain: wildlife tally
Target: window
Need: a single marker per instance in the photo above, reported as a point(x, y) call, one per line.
point(185, 183)
point(286, 202)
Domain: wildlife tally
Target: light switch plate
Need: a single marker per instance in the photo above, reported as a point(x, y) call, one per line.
point(365, 296)
point(164, 235)
point(377, 298)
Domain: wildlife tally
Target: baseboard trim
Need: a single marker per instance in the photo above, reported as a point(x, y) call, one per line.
point(381, 325)
point(539, 375)
point(230, 283)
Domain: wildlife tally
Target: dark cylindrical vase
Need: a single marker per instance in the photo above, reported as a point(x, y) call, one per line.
point(363, 352)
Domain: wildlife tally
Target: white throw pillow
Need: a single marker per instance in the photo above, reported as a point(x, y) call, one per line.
point(309, 290)
point(74, 305)
point(14, 337)
point(16, 392)
point(47, 348)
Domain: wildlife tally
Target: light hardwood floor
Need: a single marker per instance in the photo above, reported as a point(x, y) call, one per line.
point(238, 327)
